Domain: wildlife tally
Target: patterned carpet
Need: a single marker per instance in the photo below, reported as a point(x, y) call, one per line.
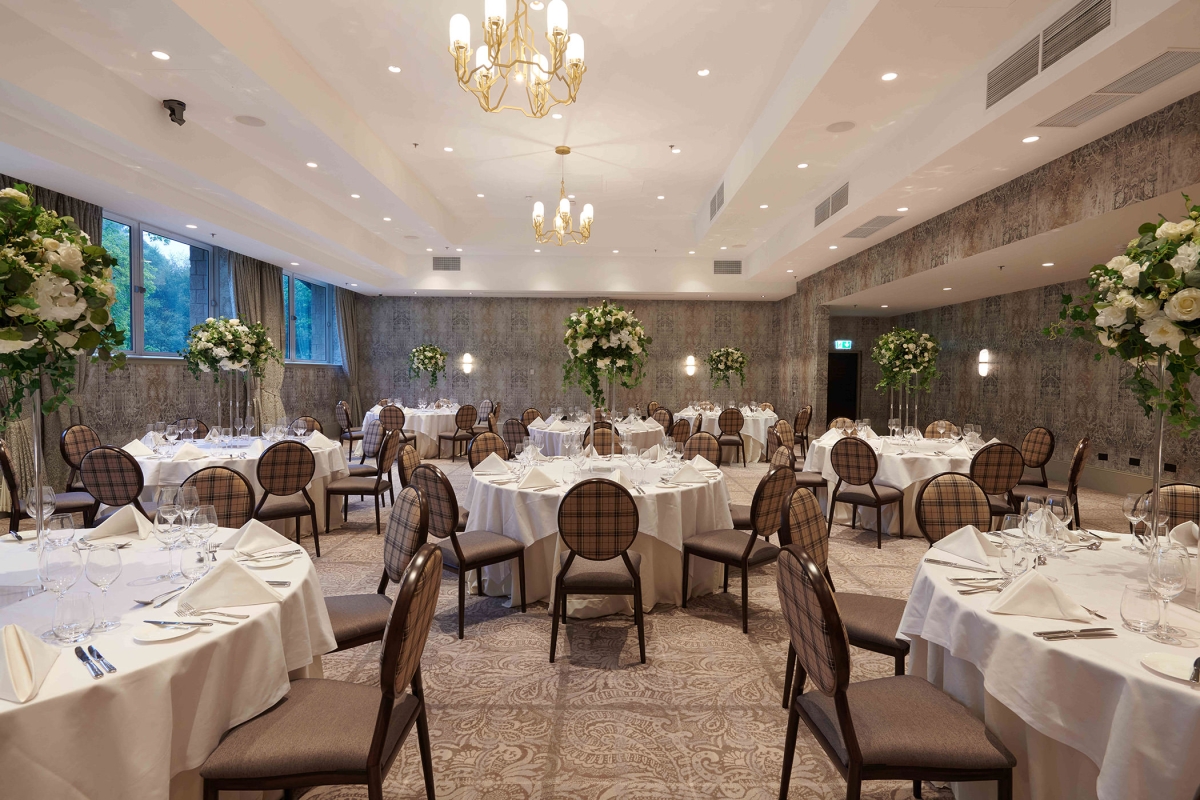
point(701, 719)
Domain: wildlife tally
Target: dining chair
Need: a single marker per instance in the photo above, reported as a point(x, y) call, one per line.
point(680, 431)
point(895, 728)
point(347, 431)
point(1181, 501)
point(803, 418)
point(328, 732)
point(948, 502)
point(781, 457)
point(392, 418)
point(1078, 458)
point(730, 422)
point(513, 433)
point(284, 471)
point(64, 502)
point(311, 424)
point(997, 468)
point(74, 444)
point(856, 466)
point(598, 522)
point(833, 423)
point(737, 548)
point(463, 551)
point(362, 485)
point(406, 462)
point(464, 425)
point(483, 445)
point(226, 490)
point(605, 442)
point(114, 478)
point(1036, 448)
point(931, 431)
point(359, 619)
point(785, 437)
point(372, 440)
point(664, 417)
point(871, 621)
point(483, 421)
point(384, 401)
point(529, 415)
point(704, 444)
point(767, 407)
point(603, 423)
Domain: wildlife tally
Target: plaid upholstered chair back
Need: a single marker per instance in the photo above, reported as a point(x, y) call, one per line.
point(226, 490)
point(803, 417)
point(529, 415)
point(1037, 447)
point(285, 468)
point(598, 519)
point(513, 433)
point(407, 630)
point(651, 407)
point(75, 443)
point(1077, 461)
point(730, 422)
point(854, 461)
point(931, 430)
point(111, 475)
point(1182, 502)
point(605, 443)
point(814, 625)
point(409, 460)
point(433, 485)
point(603, 423)
point(372, 438)
point(483, 446)
point(664, 417)
point(787, 436)
point(681, 430)
point(767, 406)
point(465, 418)
point(703, 444)
point(997, 468)
point(387, 453)
point(392, 418)
point(781, 456)
point(342, 412)
point(948, 502)
point(492, 425)
point(310, 423)
point(804, 526)
point(407, 529)
point(485, 408)
point(833, 423)
point(769, 498)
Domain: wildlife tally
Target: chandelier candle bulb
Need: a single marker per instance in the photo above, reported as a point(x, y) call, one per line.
point(539, 212)
point(495, 10)
point(460, 32)
point(575, 49)
point(556, 18)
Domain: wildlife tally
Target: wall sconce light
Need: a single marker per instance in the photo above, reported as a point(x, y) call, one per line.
point(468, 363)
point(985, 362)
point(690, 369)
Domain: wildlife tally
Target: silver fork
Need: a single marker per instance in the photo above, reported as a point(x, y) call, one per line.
point(205, 619)
point(188, 609)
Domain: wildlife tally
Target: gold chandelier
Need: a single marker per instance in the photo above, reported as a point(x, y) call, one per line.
point(563, 232)
point(508, 59)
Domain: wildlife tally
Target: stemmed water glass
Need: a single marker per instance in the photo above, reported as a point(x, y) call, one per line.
point(1167, 576)
point(48, 504)
point(172, 434)
point(249, 424)
point(58, 569)
point(188, 499)
point(59, 530)
point(894, 427)
point(237, 426)
point(193, 425)
point(103, 568)
point(205, 523)
point(1058, 516)
point(941, 428)
point(1135, 511)
point(1013, 561)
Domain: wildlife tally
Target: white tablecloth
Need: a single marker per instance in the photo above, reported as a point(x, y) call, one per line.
point(425, 424)
point(644, 433)
point(668, 517)
point(1085, 719)
point(551, 442)
point(754, 430)
point(127, 734)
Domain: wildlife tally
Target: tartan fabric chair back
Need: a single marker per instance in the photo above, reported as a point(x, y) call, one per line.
point(285, 468)
point(833, 423)
point(664, 417)
point(767, 406)
point(409, 460)
point(605, 443)
point(111, 475)
point(814, 625)
point(433, 485)
point(342, 412)
point(465, 418)
point(407, 529)
point(730, 422)
point(384, 401)
point(1077, 460)
point(373, 434)
point(201, 428)
point(226, 490)
point(703, 444)
point(491, 423)
point(598, 519)
point(484, 445)
point(931, 431)
point(782, 457)
point(948, 502)
point(787, 436)
point(598, 414)
point(529, 415)
point(769, 498)
point(804, 526)
point(392, 418)
point(407, 630)
point(651, 407)
point(603, 423)
point(854, 461)
point(803, 417)
point(485, 409)
point(997, 468)
point(772, 440)
point(312, 423)
point(681, 430)
point(1037, 447)
point(387, 454)
point(75, 443)
point(1182, 502)
point(513, 433)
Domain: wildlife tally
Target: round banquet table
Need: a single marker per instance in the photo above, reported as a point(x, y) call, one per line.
point(906, 471)
point(668, 516)
point(550, 441)
point(144, 730)
point(754, 430)
point(425, 424)
point(329, 456)
point(1084, 718)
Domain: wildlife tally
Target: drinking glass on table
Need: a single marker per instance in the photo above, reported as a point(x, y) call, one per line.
point(205, 523)
point(237, 426)
point(103, 568)
point(1014, 558)
point(1167, 576)
point(74, 618)
point(1058, 516)
point(1140, 611)
point(249, 424)
point(193, 560)
point(58, 570)
point(941, 428)
point(193, 425)
point(59, 530)
point(189, 500)
point(172, 434)
point(1135, 511)
point(48, 503)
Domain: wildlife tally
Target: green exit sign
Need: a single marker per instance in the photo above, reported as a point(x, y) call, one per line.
point(843, 344)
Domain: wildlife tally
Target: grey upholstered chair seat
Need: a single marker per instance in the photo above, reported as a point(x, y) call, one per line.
point(1023, 490)
point(356, 484)
point(479, 546)
point(811, 480)
point(463, 516)
point(741, 516)
point(861, 495)
point(871, 620)
point(999, 505)
point(68, 502)
point(355, 615)
point(322, 726)
point(905, 721)
point(457, 436)
point(599, 575)
point(363, 470)
point(276, 507)
point(730, 440)
point(728, 545)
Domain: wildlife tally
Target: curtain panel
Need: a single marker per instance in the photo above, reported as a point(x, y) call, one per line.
point(347, 319)
point(258, 295)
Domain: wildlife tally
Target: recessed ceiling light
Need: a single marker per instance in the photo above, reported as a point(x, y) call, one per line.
point(393, 69)
point(570, 197)
point(675, 150)
point(691, 252)
point(537, 5)
point(355, 196)
point(1030, 139)
point(246, 119)
point(387, 219)
point(1048, 264)
point(888, 76)
point(703, 73)
point(479, 195)
point(537, 251)
point(945, 288)
point(662, 197)
point(193, 227)
point(833, 247)
point(902, 208)
point(160, 55)
point(762, 295)
point(556, 116)
point(428, 249)
point(616, 251)
point(448, 149)
point(791, 271)
point(295, 263)
point(723, 247)
point(884, 306)
point(458, 249)
point(311, 165)
point(802, 166)
point(764, 205)
point(354, 284)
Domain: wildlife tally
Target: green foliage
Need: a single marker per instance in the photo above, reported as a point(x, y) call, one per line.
point(604, 340)
point(428, 358)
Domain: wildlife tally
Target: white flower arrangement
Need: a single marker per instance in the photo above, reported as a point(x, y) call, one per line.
point(228, 344)
point(724, 363)
point(906, 358)
point(57, 293)
point(604, 340)
point(427, 358)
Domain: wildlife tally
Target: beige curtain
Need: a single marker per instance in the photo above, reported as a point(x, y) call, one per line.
point(258, 294)
point(347, 319)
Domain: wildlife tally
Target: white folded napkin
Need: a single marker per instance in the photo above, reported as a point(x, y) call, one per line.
point(652, 453)
point(590, 452)
point(24, 663)
point(746, 411)
point(702, 463)
point(559, 426)
point(1186, 533)
point(993, 440)
point(651, 423)
point(536, 479)
point(128, 521)
point(867, 433)
point(492, 465)
point(958, 450)
point(967, 542)
point(1031, 595)
point(254, 537)
point(255, 449)
point(830, 436)
point(189, 452)
point(537, 423)
point(229, 584)
point(634, 427)
point(318, 439)
point(213, 434)
point(620, 477)
point(536, 454)
point(689, 474)
point(136, 448)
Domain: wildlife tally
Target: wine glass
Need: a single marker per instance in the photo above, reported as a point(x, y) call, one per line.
point(193, 561)
point(58, 570)
point(237, 426)
point(249, 424)
point(941, 428)
point(1135, 511)
point(1013, 562)
point(103, 568)
point(193, 425)
point(1058, 516)
point(206, 522)
point(47, 501)
point(172, 433)
point(189, 502)
point(1167, 576)
point(59, 530)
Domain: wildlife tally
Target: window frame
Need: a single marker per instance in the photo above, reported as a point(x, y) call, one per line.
point(289, 321)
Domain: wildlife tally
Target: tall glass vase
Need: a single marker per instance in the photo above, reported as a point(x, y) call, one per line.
point(1159, 432)
point(38, 462)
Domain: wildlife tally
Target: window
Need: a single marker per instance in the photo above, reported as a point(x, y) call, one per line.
point(310, 324)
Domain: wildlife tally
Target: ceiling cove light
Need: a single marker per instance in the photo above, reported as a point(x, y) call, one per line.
point(675, 150)
point(723, 247)
point(458, 249)
point(295, 263)
point(883, 306)
point(691, 252)
point(662, 197)
point(387, 219)
point(393, 69)
point(160, 55)
point(616, 251)
point(945, 288)
point(1030, 139)
point(428, 249)
point(479, 195)
point(564, 231)
point(703, 73)
point(1048, 264)
point(790, 271)
point(888, 76)
point(548, 80)
point(448, 149)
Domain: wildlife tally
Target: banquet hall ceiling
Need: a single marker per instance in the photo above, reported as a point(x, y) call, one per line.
point(80, 111)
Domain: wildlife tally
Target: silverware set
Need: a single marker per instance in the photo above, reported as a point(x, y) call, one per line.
point(188, 610)
point(94, 661)
point(1080, 633)
point(270, 555)
point(941, 563)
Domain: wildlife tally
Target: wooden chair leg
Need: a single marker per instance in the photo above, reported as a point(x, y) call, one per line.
point(558, 597)
point(312, 514)
point(211, 792)
point(725, 583)
point(853, 785)
point(423, 740)
point(853, 517)
point(900, 664)
point(789, 670)
point(917, 789)
point(521, 574)
point(1004, 789)
point(378, 523)
point(345, 510)
point(462, 598)
point(687, 557)
point(745, 599)
point(637, 616)
point(789, 752)
point(328, 499)
point(479, 581)
point(878, 527)
point(901, 504)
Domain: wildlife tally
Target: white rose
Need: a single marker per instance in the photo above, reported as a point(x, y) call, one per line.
point(584, 345)
point(1123, 301)
point(1146, 308)
point(602, 363)
point(1184, 306)
point(67, 255)
point(1110, 317)
point(1119, 263)
point(50, 244)
point(204, 367)
point(220, 352)
point(13, 345)
point(1160, 331)
point(23, 199)
point(210, 319)
point(1105, 339)
point(1185, 260)
point(56, 299)
point(1131, 272)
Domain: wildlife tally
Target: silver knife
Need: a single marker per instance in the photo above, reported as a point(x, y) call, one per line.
point(171, 624)
point(1064, 636)
point(87, 662)
point(94, 653)
point(279, 583)
point(960, 566)
point(1061, 633)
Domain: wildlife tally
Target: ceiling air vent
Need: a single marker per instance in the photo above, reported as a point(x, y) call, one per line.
point(1016, 70)
point(1088, 108)
point(821, 212)
point(447, 264)
point(831, 205)
point(727, 268)
point(1074, 28)
point(871, 227)
point(717, 201)
point(1154, 72)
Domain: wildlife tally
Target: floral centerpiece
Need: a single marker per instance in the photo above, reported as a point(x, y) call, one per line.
point(906, 359)
point(427, 358)
point(228, 344)
point(724, 363)
point(604, 340)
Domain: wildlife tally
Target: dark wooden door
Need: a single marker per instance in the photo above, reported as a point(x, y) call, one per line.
point(841, 397)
